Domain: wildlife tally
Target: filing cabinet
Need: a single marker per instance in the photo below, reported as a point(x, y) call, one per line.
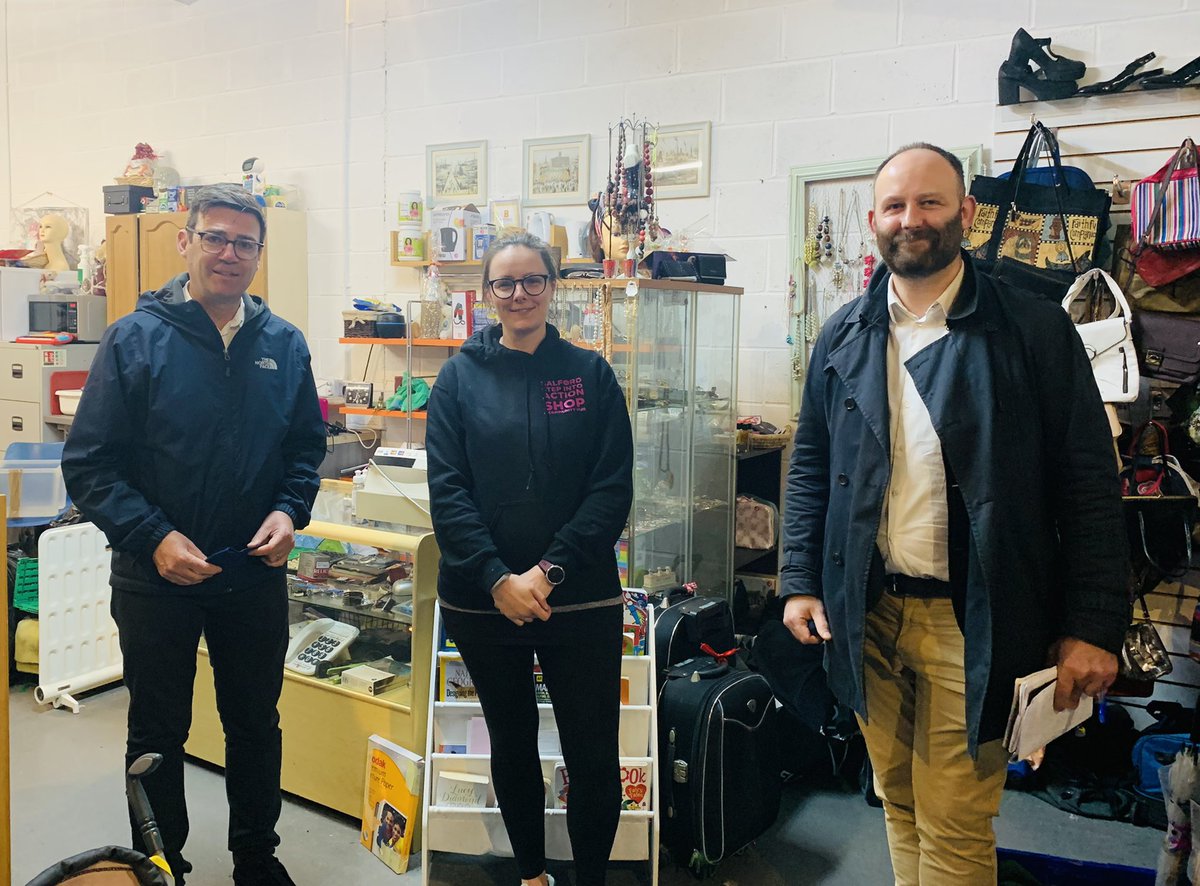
point(25, 374)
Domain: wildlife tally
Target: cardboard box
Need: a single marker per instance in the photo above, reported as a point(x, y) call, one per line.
point(481, 238)
point(367, 679)
point(450, 231)
point(462, 314)
point(391, 797)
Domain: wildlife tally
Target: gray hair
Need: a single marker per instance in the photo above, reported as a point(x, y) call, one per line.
point(228, 196)
point(520, 238)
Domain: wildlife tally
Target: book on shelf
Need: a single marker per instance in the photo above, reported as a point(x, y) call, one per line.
point(635, 786)
point(560, 786)
point(454, 682)
point(636, 608)
point(540, 690)
point(479, 741)
point(390, 800)
point(468, 789)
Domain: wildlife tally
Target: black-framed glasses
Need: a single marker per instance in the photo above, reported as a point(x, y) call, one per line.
point(506, 287)
point(214, 244)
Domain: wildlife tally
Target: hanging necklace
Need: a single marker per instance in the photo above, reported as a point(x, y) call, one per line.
point(812, 244)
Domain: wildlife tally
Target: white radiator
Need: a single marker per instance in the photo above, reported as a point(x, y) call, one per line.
point(77, 645)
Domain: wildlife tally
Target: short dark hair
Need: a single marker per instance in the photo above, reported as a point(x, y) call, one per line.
point(519, 238)
point(228, 196)
point(954, 162)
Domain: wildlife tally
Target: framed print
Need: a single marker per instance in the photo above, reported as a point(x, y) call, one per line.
point(506, 214)
point(556, 170)
point(456, 174)
point(358, 393)
point(681, 160)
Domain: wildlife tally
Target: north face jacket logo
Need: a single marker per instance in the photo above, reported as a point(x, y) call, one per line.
point(266, 363)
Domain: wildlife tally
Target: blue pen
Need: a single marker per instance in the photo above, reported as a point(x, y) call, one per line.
point(1103, 701)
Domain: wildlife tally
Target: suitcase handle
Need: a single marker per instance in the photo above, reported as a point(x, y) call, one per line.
point(698, 668)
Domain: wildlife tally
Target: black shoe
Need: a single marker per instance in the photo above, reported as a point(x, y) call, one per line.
point(1182, 77)
point(1037, 50)
point(1014, 76)
point(266, 870)
point(1123, 79)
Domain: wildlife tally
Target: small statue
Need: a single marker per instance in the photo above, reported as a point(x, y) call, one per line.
point(140, 168)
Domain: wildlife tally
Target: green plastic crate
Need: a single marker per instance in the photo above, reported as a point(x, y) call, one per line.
point(25, 588)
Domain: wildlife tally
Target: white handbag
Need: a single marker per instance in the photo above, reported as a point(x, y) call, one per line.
point(1108, 342)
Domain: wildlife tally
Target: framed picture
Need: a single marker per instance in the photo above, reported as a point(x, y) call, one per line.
point(681, 160)
point(456, 174)
point(358, 393)
point(556, 170)
point(506, 214)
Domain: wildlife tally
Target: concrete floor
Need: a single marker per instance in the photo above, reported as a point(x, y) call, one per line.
point(68, 795)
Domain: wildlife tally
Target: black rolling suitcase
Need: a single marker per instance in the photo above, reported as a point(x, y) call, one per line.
point(683, 629)
point(718, 761)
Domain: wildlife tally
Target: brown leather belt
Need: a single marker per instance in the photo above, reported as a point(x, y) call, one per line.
point(906, 586)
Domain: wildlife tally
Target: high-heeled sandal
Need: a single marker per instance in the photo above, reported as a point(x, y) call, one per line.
point(1012, 77)
point(1026, 48)
point(1182, 77)
point(1124, 79)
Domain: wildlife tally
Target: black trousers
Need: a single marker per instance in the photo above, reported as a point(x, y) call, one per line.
point(584, 680)
point(246, 632)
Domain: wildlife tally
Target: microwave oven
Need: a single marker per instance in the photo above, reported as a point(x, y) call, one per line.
point(84, 316)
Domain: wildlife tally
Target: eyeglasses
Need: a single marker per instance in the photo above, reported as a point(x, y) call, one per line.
point(506, 287)
point(214, 244)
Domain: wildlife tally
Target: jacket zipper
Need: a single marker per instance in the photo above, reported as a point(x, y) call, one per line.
point(227, 362)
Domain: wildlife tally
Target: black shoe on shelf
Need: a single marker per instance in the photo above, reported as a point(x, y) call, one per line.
point(1026, 48)
point(1012, 77)
point(1126, 78)
point(264, 870)
point(1182, 77)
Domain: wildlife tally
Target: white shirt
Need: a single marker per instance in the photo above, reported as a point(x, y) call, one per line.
point(913, 532)
point(230, 329)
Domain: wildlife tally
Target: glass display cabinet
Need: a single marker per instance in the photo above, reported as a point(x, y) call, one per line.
point(673, 346)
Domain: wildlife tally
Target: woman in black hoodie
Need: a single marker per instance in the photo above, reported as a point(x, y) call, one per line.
point(530, 481)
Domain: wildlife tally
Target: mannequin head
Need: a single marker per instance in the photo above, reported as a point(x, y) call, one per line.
point(605, 242)
point(53, 229)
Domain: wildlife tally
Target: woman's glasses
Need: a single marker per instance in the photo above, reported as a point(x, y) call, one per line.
point(506, 287)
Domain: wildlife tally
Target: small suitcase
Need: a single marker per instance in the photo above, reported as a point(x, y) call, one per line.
point(681, 631)
point(719, 761)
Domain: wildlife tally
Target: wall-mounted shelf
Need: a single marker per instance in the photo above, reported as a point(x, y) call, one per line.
point(403, 342)
point(386, 413)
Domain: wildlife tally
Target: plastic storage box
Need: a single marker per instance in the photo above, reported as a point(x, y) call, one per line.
point(68, 400)
point(34, 488)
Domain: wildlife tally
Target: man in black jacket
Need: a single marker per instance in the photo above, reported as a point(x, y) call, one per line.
point(199, 431)
point(953, 519)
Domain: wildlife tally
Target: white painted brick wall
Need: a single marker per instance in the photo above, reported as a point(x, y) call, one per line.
point(785, 83)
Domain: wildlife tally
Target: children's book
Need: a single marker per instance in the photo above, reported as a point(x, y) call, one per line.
point(391, 802)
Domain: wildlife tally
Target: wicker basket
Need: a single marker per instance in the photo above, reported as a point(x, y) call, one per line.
point(360, 324)
point(771, 441)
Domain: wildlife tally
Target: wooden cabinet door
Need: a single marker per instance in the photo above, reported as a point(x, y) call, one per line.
point(158, 248)
point(121, 264)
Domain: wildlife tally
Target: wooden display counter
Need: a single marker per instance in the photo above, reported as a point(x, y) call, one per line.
point(325, 727)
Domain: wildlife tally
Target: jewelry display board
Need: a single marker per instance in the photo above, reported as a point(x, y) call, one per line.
point(832, 252)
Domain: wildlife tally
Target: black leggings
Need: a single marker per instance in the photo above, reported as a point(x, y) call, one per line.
point(584, 681)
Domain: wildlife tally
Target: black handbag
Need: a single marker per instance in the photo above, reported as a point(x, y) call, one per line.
point(1055, 227)
point(1168, 345)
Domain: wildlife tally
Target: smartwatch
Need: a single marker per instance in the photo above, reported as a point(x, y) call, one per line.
point(554, 574)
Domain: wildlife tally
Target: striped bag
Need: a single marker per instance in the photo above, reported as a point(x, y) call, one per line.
point(1166, 219)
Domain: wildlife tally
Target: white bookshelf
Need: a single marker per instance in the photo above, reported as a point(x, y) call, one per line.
point(480, 831)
